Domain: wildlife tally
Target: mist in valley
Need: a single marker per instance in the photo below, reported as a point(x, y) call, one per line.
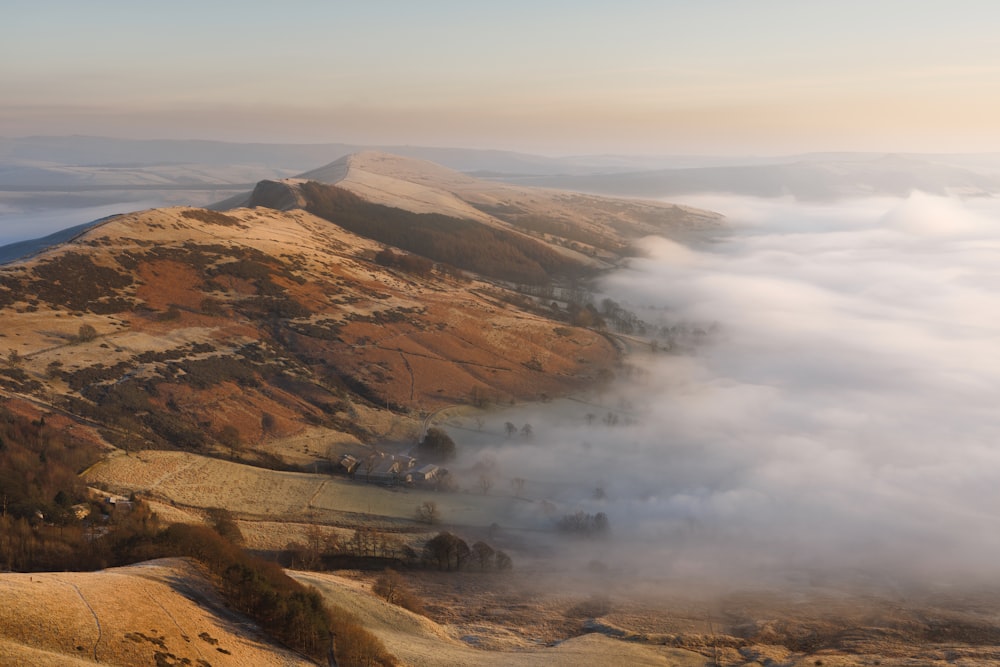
point(836, 422)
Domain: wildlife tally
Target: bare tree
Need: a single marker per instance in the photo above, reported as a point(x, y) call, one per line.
point(485, 483)
point(510, 429)
point(427, 512)
point(229, 436)
point(266, 422)
point(518, 484)
point(503, 561)
point(389, 586)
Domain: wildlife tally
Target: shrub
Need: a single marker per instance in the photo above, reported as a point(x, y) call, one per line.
point(225, 525)
point(85, 334)
point(391, 587)
point(503, 561)
point(427, 512)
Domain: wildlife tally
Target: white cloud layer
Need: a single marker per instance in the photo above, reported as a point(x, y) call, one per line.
point(843, 419)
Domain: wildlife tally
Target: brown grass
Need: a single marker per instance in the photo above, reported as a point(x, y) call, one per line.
point(125, 616)
point(408, 342)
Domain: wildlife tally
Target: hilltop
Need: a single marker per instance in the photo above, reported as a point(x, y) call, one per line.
point(232, 332)
point(174, 324)
point(594, 226)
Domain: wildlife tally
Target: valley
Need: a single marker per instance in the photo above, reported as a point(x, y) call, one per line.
point(214, 367)
point(226, 361)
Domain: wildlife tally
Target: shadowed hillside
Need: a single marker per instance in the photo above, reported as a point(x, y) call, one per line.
point(491, 252)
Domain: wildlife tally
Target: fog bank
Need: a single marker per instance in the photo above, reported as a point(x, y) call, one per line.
point(841, 418)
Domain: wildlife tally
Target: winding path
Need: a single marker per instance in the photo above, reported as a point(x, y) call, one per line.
point(97, 621)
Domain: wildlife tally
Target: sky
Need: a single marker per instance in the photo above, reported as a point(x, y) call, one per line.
point(552, 77)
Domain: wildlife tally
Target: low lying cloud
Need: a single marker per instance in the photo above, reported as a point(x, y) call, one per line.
point(842, 418)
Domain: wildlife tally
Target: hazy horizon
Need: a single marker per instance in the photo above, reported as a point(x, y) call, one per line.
point(766, 78)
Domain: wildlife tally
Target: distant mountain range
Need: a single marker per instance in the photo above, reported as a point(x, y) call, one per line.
point(80, 161)
point(817, 177)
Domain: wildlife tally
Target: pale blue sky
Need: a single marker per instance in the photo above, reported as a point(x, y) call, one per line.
point(729, 76)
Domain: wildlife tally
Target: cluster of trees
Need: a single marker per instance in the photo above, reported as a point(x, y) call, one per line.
point(38, 469)
point(436, 446)
point(371, 549)
point(449, 552)
point(366, 548)
point(466, 244)
point(510, 428)
point(584, 524)
point(622, 320)
point(34, 544)
point(260, 589)
point(408, 262)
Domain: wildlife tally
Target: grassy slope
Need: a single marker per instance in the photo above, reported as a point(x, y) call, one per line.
point(422, 643)
point(125, 616)
point(214, 321)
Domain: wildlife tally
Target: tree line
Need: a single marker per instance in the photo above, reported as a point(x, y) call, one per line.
point(373, 550)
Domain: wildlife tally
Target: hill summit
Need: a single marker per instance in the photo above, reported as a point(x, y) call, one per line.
point(355, 308)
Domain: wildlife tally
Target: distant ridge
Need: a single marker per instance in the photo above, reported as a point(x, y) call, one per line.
point(815, 177)
point(130, 153)
point(594, 229)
